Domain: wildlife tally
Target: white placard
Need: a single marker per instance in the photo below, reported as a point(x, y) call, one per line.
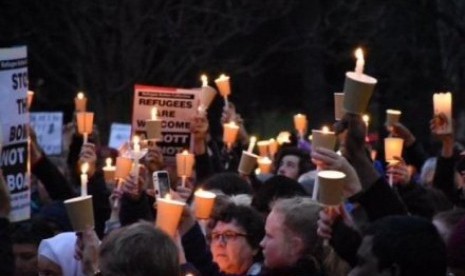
point(119, 133)
point(14, 118)
point(48, 127)
point(175, 108)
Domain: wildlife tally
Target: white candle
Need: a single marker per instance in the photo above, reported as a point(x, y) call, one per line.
point(84, 178)
point(253, 139)
point(136, 145)
point(154, 113)
point(443, 105)
point(360, 64)
point(204, 80)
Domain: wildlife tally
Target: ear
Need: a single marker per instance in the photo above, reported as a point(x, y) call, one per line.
point(296, 246)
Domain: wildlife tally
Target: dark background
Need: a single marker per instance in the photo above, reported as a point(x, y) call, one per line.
point(283, 56)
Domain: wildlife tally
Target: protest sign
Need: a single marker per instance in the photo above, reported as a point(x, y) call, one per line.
point(48, 127)
point(175, 107)
point(14, 118)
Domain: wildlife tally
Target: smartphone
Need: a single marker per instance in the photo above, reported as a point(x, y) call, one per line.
point(161, 182)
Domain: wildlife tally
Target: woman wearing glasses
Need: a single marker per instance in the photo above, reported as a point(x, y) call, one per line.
point(236, 232)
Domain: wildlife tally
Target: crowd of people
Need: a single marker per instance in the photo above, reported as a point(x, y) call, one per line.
point(261, 224)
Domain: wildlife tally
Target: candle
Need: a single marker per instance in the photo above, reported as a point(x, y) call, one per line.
point(300, 123)
point(184, 165)
point(222, 82)
point(30, 97)
point(168, 214)
point(253, 139)
point(84, 178)
point(360, 61)
point(443, 112)
point(230, 131)
point(153, 126)
point(136, 145)
point(283, 137)
point(80, 102)
point(392, 148)
point(109, 170)
point(323, 138)
point(263, 147)
point(264, 164)
point(273, 147)
point(85, 123)
point(204, 201)
point(207, 94)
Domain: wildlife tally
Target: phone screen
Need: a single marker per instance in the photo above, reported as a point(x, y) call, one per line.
point(162, 183)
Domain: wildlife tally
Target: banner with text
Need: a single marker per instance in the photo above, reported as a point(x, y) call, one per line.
point(14, 120)
point(175, 107)
point(48, 127)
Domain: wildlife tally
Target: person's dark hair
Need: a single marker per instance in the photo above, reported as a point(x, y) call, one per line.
point(229, 183)
point(139, 249)
point(274, 188)
point(31, 231)
point(248, 219)
point(304, 158)
point(412, 243)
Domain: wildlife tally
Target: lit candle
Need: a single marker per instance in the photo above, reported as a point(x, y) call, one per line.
point(360, 61)
point(300, 123)
point(283, 137)
point(207, 94)
point(136, 145)
point(264, 164)
point(230, 131)
point(203, 201)
point(253, 139)
point(109, 170)
point(273, 147)
point(443, 106)
point(84, 178)
point(153, 126)
point(30, 97)
point(323, 138)
point(168, 214)
point(263, 147)
point(85, 122)
point(222, 82)
point(184, 165)
point(80, 102)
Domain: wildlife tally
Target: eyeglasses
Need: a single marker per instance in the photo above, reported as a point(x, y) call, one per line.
point(226, 236)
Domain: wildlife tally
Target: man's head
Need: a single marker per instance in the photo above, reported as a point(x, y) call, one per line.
point(401, 245)
point(292, 162)
point(139, 249)
point(290, 232)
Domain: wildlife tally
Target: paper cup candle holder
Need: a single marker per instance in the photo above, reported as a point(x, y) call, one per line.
point(80, 102)
point(230, 132)
point(184, 165)
point(392, 117)
point(248, 159)
point(358, 87)
point(85, 123)
point(324, 138)
point(300, 124)
point(338, 106)
point(153, 126)
point(443, 112)
point(207, 94)
point(224, 86)
point(203, 201)
point(168, 214)
point(331, 184)
point(80, 212)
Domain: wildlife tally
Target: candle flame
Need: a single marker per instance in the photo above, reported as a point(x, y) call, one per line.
point(232, 124)
point(80, 95)
point(283, 137)
point(222, 77)
point(136, 139)
point(204, 80)
point(359, 54)
point(366, 118)
point(185, 152)
point(167, 196)
point(108, 161)
point(310, 137)
point(257, 171)
point(84, 167)
point(30, 92)
point(325, 129)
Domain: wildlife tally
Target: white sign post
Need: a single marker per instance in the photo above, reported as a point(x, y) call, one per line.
point(14, 118)
point(175, 107)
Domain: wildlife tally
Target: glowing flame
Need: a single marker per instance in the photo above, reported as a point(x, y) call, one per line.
point(204, 80)
point(359, 54)
point(108, 162)
point(80, 95)
point(84, 168)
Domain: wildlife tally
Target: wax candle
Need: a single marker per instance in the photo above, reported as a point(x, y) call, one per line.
point(253, 139)
point(230, 131)
point(80, 102)
point(109, 170)
point(153, 126)
point(300, 123)
point(84, 178)
point(443, 106)
point(360, 63)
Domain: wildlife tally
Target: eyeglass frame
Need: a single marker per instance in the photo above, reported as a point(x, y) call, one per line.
point(222, 236)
